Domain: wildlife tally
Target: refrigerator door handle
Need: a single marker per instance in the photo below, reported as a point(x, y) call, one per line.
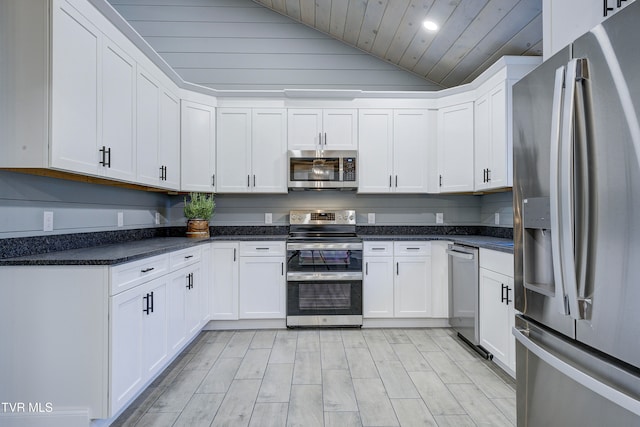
point(606, 391)
point(566, 190)
point(554, 206)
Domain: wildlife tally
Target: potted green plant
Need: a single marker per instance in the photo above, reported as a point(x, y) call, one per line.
point(198, 210)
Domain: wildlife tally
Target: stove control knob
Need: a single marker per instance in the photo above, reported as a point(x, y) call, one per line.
point(351, 217)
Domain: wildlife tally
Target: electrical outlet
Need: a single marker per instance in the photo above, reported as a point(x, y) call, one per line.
point(496, 218)
point(120, 219)
point(439, 218)
point(157, 218)
point(371, 218)
point(268, 218)
point(48, 221)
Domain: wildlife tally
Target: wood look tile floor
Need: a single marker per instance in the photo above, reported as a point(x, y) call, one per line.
point(327, 377)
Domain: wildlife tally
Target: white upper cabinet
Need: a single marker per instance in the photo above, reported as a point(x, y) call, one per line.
point(410, 142)
point(158, 132)
point(375, 151)
point(198, 148)
point(251, 150)
point(148, 129)
point(87, 104)
point(169, 141)
point(75, 91)
point(392, 153)
point(118, 112)
point(493, 146)
point(455, 148)
point(269, 150)
point(326, 129)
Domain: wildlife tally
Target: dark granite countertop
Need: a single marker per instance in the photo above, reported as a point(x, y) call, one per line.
point(111, 254)
point(111, 248)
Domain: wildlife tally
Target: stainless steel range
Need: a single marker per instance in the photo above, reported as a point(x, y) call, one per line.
point(324, 269)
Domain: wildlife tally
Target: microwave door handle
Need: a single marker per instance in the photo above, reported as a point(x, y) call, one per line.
point(554, 179)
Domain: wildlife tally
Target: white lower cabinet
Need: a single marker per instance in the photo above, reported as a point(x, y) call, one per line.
point(497, 316)
point(397, 279)
point(248, 280)
point(139, 347)
point(103, 332)
point(377, 282)
point(262, 287)
point(223, 298)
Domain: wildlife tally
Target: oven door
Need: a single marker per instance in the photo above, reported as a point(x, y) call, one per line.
point(324, 299)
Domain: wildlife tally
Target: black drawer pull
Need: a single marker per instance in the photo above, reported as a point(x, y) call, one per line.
point(146, 270)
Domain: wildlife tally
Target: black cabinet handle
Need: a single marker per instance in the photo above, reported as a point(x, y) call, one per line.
point(103, 151)
point(488, 175)
point(607, 9)
point(146, 300)
point(390, 182)
point(248, 181)
point(151, 294)
point(234, 254)
point(366, 269)
point(188, 256)
point(397, 268)
point(282, 268)
point(508, 290)
point(213, 180)
point(396, 181)
point(254, 180)
point(146, 270)
point(440, 181)
point(190, 281)
point(161, 173)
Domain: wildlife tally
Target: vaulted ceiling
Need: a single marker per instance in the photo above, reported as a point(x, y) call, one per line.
point(473, 34)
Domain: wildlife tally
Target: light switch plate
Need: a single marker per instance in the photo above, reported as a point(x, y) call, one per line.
point(157, 218)
point(268, 218)
point(496, 218)
point(439, 218)
point(371, 218)
point(48, 221)
point(120, 219)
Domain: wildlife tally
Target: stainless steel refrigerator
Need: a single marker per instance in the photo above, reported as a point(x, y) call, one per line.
point(577, 231)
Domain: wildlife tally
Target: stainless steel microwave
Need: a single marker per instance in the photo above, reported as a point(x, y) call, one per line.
point(323, 169)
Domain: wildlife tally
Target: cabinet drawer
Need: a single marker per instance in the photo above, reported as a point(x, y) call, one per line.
point(500, 262)
point(262, 248)
point(131, 274)
point(412, 248)
point(378, 248)
point(185, 257)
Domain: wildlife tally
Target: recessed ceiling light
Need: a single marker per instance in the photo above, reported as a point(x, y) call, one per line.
point(430, 25)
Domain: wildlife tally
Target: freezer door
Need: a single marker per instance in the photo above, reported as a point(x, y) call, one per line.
point(536, 118)
point(560, 384)
point(607, 206)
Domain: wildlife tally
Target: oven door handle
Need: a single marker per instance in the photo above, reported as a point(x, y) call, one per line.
point(293, 276)
point(355, 246)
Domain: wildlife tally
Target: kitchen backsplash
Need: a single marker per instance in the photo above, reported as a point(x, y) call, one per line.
point(85, 208)
point(391, 209)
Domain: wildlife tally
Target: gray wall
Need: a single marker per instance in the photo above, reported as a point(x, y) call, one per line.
point(392, 209)
point(83, 207)
point(76, 206)
point(239, 44)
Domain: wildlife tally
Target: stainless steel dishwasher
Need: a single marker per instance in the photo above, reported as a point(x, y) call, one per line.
point(463, 291)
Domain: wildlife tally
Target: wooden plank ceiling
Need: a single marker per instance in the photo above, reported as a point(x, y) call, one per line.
point(473, 34)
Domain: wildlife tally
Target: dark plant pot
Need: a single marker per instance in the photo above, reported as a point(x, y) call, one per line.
point(198, 228)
